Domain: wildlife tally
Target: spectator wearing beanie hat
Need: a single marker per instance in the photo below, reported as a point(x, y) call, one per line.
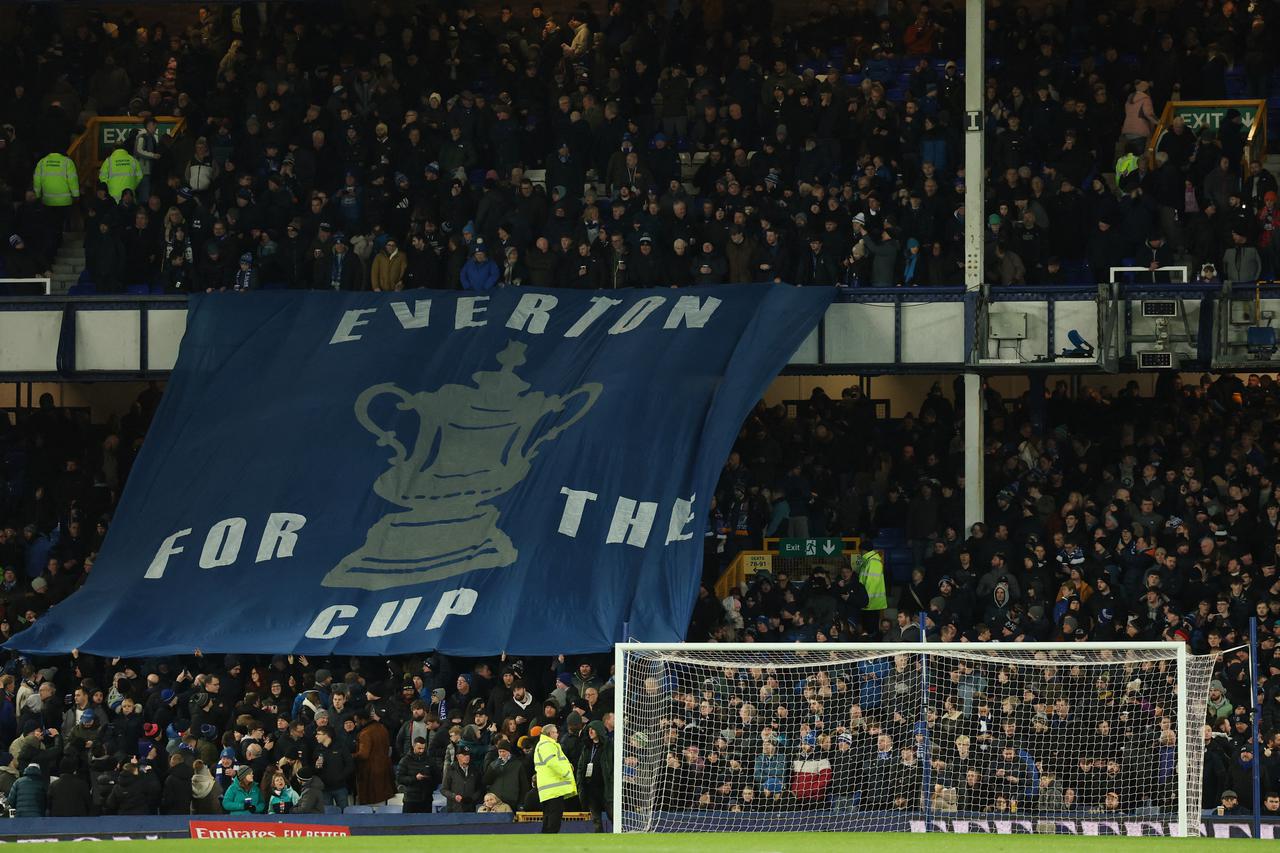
point(69, 794)
point(243, 795)
point(176, 791)
point(480, 273)
point(564, 692)
point(206, 794)
point(341, 270)
point(246, 277)
point(311, 799)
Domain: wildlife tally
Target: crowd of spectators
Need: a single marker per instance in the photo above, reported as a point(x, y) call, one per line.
point(453, 148)
point(393, 152)
point(1113, 515)
point(1032, 739)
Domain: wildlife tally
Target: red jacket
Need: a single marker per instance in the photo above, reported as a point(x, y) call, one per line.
point(1268, 225)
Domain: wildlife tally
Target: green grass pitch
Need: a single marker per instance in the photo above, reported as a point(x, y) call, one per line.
point(758, 842)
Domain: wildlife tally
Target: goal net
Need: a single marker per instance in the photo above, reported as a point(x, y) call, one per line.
point(1013, 737)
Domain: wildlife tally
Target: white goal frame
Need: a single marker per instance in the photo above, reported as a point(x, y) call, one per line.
point(1186, 728)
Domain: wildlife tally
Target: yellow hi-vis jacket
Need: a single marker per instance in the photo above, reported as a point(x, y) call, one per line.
point(1126, 164)
point(120, 172)
point(55, 180)
point(553, 771)
point(871, 574)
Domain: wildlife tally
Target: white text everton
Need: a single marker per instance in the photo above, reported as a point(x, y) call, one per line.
point(533, 315)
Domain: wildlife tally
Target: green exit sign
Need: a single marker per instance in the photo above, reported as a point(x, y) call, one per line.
point(828, 547)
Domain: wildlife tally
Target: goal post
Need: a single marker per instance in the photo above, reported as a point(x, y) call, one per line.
point(1073, 738)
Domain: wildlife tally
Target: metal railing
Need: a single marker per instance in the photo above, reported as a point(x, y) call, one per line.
point(36, 286)
point(1255, 147)
point(87, 149)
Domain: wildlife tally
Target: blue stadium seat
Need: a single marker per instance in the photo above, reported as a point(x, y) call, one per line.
point(1077, 273)
point(332, 810)
point(138, 290)
point(389, 808)
point(887, 536)
point(15, 460)
point(358, 810)
point(82, 289)
point(898, 564)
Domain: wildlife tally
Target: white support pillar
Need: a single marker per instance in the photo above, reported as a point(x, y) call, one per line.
point(974, 248)
point(619, 723)
point(1188, 738)
point(974, 151)
point(974, 473)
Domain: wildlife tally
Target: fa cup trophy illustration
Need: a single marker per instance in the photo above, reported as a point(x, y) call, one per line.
point(473, 444)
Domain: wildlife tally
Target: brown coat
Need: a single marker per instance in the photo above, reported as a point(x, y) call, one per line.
point(373, 765)
point(739, 257)
point(388, 272)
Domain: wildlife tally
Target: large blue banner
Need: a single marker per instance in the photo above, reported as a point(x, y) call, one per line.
point(524, 471)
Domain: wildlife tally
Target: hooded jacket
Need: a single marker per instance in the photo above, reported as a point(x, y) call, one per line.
point(206, 797)
point(598, 755)
point(28, 794)
point(997, 612)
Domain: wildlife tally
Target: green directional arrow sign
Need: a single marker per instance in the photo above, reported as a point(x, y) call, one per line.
point(826, 547)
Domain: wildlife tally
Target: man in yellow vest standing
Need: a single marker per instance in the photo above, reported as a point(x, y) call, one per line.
point(871, 572)
point(55, 180)
point(57, 186)
point(120, 172)
point(553, 774)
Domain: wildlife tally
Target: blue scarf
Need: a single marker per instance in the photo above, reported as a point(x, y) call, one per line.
point(335, 270)
point(909, 274)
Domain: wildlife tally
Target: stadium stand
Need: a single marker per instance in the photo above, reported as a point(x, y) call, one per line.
point(628, 149)
point(383, 152)
point(1119, 516)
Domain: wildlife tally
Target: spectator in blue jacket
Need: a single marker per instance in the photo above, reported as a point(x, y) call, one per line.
point(38, 546)
point(479, 273)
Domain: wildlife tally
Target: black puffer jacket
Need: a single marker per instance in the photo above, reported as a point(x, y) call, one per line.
point(176, 796)
point(29, 793)
point(414, 789)
point(69, 794)
point(128, 797)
